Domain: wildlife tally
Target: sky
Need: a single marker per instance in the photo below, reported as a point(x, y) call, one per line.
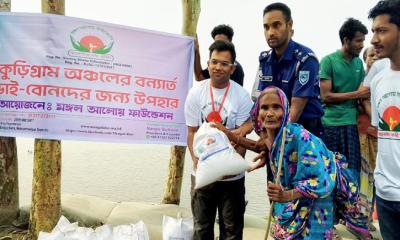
point(316, 22)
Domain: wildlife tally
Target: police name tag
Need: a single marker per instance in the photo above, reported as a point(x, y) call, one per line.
point(304, 76)
point(266, 78)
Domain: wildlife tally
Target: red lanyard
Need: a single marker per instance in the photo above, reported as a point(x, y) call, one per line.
point(214, 115)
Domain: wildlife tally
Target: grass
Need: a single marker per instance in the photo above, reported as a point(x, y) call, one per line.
point(13, 233)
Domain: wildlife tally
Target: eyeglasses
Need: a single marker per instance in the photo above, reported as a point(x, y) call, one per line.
point(224, 64)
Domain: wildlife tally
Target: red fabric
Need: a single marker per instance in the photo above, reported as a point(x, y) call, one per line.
point(363, 122)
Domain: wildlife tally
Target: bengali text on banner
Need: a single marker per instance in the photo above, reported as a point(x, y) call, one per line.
point(70, 78)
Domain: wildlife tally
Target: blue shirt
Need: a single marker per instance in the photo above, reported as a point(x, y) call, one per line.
point(296, 74)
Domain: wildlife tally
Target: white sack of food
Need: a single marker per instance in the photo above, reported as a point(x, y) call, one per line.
point(217, 157)
point(136, 231)
point(64, 230)
point(177, 228)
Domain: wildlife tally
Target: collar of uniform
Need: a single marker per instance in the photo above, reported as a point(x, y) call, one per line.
point(287, 55)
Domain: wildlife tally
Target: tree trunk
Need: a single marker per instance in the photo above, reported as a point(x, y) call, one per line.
point(53, 6)
point(191, 12)
point(46, 184)
point(5, 5)
point(172, 195)
point(9, 201)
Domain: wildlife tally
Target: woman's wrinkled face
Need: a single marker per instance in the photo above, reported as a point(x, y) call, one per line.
point(371, 57)
point(271, 110)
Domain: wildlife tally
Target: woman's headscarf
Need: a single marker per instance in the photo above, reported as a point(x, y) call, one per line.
point(258, 127)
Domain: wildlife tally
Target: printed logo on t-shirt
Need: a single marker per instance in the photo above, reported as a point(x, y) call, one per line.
point(389, 116)
point(390, 120)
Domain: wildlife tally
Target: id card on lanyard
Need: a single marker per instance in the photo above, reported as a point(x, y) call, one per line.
point(215, 115)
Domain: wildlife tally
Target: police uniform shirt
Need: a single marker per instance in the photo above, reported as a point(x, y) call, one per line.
point(296, 73)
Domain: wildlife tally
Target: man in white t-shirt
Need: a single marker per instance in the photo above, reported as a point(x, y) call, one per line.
point(218, 99)
point(375, 68)
point(385, 115)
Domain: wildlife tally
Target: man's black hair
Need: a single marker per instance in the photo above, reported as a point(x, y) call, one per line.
point(280, 7)
point(349, 29)
point(389, 7)
point(221, 46)
point(223, 29)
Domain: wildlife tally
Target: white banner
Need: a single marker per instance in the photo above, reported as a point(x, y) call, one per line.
point(70, 78)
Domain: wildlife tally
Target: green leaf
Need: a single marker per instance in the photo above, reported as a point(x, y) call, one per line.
point(104, 50)
point(383, 125)
point(78, 46)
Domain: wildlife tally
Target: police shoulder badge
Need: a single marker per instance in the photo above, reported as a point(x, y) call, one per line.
point(304, 76)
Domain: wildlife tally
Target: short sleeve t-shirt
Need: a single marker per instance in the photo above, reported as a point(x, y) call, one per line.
point(346, 76)
point(375, 69)
point(235, 110)
point(385, 114)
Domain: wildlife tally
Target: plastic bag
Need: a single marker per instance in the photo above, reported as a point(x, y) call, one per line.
point(104, 232)
point(217, 157)
point(64, 230)
point(136, 231)
point(177, 228)
point(82, 233)
point(60, 231)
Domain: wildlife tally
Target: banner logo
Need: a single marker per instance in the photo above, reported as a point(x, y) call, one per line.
point(91, 39)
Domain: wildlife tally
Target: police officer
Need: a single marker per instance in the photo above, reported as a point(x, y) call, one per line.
point(291, 67)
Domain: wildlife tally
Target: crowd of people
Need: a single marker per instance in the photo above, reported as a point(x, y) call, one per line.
point(329, 130)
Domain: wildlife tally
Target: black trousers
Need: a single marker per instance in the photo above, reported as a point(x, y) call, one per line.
point(228, 198)
point(389, 218)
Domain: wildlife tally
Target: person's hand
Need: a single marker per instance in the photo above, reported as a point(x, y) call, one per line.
point(238, 131)
point(261, 145)
point(372, 131)
point(363, 92)
point(258, 162)
point(277, 193)
point(196, 44)
point(195, 163)
point(232, 137)
point(220, 127)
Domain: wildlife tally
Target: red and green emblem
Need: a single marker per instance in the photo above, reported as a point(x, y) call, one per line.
point(92, 39)
point(390, 120)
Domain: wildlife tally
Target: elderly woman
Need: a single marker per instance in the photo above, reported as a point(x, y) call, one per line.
point(311, 178)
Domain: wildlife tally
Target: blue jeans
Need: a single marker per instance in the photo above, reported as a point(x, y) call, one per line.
point(389, 218)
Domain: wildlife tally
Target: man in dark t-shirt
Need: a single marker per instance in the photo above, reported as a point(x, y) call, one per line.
point(221, 32)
